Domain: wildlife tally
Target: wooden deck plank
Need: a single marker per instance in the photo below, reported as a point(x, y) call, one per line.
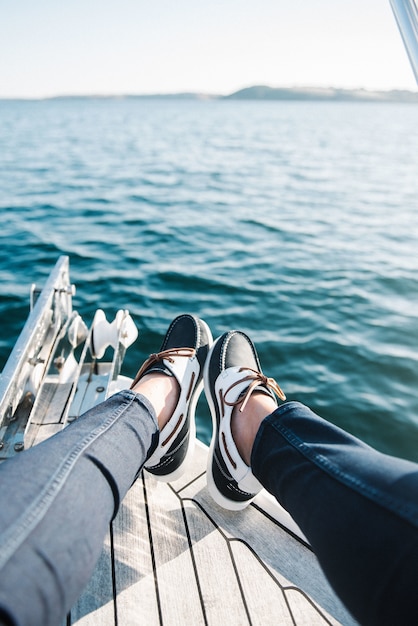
point(215, 571)
point(178, 590)
point(267, 598)
point(96, 607)
point(304, 612)
point(136, 593)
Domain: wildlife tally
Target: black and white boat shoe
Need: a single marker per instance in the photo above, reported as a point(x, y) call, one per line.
point(232, 373)
point(182, 355)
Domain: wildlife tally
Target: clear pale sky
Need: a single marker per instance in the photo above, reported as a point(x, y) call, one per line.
point(59, 47)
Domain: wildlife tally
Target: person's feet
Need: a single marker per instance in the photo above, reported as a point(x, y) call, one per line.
point(172, 382)
point(239, 397)
point(162, 391)
point(245, 423)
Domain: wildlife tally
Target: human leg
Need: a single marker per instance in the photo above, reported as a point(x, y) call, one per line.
point(58, 498)
point(357, 507)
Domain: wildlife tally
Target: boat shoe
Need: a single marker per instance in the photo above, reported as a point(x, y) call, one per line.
point(182, 355)
point(232, 373)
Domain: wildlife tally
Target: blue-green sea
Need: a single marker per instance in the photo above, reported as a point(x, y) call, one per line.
point(296, 222)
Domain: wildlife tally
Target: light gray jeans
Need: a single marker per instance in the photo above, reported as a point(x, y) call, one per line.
point(56, 502)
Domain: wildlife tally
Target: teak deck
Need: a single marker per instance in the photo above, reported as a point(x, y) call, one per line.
point(173, 556)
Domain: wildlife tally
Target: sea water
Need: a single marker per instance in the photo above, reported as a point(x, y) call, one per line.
point(293, 221)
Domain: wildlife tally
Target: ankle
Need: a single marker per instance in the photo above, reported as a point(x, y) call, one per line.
point(245, 424)
point(162, 391)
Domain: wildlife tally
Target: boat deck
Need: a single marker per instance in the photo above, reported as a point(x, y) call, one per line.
point(172, 556)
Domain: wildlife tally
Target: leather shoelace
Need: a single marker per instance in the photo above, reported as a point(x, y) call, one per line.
point(255, 379)
point(168, 355)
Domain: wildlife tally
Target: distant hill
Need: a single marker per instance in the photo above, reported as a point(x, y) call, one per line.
point(262, 92)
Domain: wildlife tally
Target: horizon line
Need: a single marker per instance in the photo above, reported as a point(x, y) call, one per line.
point(213, 95)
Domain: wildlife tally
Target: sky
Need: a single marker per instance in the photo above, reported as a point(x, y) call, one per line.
point(87, 47)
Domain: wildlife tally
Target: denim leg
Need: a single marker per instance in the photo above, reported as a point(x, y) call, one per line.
point(56, 502)
point(357, 507)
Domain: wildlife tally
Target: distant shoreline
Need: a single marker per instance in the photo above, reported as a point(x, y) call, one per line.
point(257, 92)
point(323, 94)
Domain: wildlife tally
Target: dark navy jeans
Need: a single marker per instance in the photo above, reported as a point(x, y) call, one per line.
point(357, 507)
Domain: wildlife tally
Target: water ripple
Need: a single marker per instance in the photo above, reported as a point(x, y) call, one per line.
point(280, 219)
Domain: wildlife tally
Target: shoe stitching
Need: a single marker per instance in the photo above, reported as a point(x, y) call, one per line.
point(231, 483)
point(176, 427)
point(179, 445)
point(173, 324)
point(228, 454)
point(161, 464)
point(221, 403)
point(225, 343)
point(222, 353)
point(191, 386)
point(168, 457)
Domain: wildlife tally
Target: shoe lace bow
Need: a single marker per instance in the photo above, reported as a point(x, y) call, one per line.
point(256, 379)
point(168, 355)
